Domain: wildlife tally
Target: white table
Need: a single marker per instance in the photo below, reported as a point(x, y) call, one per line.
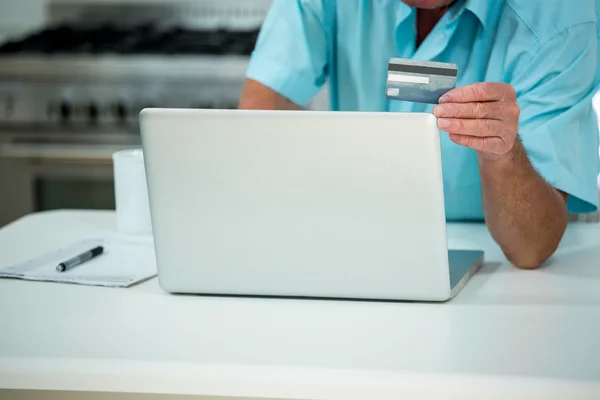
point(510, 334)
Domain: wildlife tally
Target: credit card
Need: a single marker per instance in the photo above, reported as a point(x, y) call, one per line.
point(419, 81)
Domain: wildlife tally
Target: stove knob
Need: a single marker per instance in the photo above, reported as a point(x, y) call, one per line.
point(92, 113)
point(120, 112)
point(65, 110)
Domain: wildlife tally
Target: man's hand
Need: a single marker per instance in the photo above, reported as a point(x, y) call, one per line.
point(524, 214)
point(483, 116)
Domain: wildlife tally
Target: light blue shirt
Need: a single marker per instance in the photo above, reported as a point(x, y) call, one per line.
point(548, 50)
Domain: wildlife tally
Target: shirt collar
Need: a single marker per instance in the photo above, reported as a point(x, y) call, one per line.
point(402, 12)
point(479, 8)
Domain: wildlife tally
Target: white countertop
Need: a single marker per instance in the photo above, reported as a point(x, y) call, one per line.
point(509, 334)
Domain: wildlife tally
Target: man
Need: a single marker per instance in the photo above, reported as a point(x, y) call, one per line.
point(522, 139)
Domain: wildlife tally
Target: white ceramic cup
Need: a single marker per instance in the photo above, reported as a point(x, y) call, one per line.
point(131, 193)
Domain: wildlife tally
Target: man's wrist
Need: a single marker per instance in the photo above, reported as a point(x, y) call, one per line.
point(505, 161)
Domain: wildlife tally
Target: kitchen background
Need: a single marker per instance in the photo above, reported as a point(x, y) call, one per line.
point(75, 73)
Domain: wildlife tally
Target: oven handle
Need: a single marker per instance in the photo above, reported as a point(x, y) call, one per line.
point(63, 153)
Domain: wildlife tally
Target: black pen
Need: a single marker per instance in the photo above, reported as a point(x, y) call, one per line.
point(79, 259)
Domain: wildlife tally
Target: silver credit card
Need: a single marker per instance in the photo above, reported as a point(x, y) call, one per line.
point(419, 81)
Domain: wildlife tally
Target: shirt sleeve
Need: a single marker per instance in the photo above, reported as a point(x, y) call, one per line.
point(558, 124)
point(291, 53)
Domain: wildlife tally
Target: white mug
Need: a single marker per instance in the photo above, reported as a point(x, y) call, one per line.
point(131, 193)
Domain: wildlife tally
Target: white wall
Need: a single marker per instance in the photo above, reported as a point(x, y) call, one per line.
point(20, 16)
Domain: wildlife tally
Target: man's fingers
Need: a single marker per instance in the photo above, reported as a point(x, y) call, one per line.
point(479, 92)
point(483, 116)
point(472, 127)
point(493, 145)
point(489, 110)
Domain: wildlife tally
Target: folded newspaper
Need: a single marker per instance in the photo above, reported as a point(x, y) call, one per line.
point(124, 262)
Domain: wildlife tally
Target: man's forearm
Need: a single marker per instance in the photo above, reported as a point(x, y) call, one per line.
point(256, 96)
point(525, 215)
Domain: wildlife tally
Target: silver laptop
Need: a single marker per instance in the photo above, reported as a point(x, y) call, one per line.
point(300, 203)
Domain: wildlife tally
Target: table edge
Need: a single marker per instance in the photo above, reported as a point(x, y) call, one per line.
point(125, 376)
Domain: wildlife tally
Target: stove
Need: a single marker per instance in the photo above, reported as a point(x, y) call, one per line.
point(70, 93)
point(67, 75)
point(97, 65)
point(128, 41)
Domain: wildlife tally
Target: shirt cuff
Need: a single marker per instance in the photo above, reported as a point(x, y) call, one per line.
point(292, 84)
point(579, 183)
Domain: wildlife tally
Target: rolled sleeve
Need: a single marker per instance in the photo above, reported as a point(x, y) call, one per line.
point(291, 54)
point(558, 125)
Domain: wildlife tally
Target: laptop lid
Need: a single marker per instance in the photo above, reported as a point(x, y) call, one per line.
point(298, 203)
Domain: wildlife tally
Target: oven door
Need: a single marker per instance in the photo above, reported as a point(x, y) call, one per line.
point(46, 176)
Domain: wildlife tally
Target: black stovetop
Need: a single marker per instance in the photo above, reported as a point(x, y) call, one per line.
point(140, 40)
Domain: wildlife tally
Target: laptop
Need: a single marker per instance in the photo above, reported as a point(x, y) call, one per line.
point(300, 204)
